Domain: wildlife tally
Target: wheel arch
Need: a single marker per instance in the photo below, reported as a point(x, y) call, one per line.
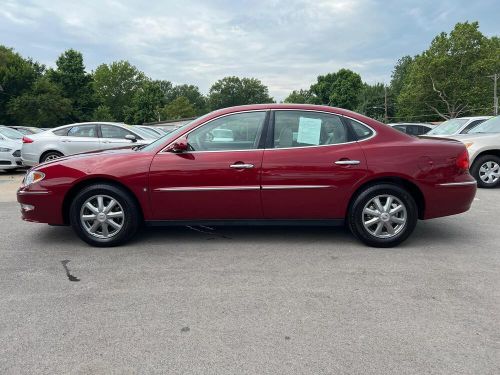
point(91, 181)
point(495, 152)
point(411, 187)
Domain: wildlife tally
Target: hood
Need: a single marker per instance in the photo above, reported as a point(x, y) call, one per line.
point(89, 154)
point(475, 136)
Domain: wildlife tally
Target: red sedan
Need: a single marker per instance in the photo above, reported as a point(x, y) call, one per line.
point(258, 164)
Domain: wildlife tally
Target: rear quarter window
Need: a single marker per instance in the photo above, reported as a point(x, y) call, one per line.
point(360, 130)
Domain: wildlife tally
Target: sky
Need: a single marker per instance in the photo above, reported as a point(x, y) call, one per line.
point(285, 44)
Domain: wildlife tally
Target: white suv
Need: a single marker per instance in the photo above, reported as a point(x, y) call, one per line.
point(483, 144)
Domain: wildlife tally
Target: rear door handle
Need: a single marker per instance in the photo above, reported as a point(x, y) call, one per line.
point(241, 166)
point(347, 162)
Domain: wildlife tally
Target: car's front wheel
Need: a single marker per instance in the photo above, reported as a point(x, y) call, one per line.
point(486, 171)
point(383, 215)
point(104, 215)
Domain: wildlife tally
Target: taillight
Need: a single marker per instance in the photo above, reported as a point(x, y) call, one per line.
point(463, 161)
point(27, 140)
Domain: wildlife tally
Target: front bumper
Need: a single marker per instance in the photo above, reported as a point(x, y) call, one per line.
point(40, 206)
point(8, 161)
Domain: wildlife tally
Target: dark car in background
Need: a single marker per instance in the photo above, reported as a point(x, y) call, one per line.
point(412, 128)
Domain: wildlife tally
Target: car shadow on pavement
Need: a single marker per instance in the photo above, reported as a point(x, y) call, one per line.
point(436, 232)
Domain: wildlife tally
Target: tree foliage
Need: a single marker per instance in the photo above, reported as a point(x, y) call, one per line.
point(115, 86)
point(301, 97)
point(340, 89)
point(232, 91)
point(43, 106)
point(178, 108)
point(450, 78)
point(75, 84)
point(17, 76)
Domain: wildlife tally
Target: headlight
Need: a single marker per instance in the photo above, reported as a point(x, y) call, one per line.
point(468, 144)
point(4, 149)
point(32, 177)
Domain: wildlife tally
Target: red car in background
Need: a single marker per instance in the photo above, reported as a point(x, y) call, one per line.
point(258, 164)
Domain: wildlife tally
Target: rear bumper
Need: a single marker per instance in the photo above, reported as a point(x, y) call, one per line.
point(449, 198)
point(29, 160)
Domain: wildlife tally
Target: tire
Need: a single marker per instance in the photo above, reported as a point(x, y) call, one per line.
point(486, 171)
point(92, 230)
point(365, 226)
point(51, 155)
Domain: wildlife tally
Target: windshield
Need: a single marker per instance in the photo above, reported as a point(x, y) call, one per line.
point(448, 127)
point(11, 133)
point(171, 135)
point(489, 126)
point(151, 132)
point(140, 131)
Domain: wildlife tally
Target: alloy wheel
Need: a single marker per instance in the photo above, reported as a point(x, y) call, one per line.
point(384, 216)
point(102, 216)
point(51, 157)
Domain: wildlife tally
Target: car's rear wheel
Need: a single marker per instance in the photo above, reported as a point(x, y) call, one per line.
point(104, 215)
point(49, 156)
point(383, 215)
point(486, 171)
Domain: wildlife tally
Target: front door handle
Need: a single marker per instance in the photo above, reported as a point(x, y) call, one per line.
point(241, 166)
point(347, 162)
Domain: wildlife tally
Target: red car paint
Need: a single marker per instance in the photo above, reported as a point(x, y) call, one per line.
point(201, 186)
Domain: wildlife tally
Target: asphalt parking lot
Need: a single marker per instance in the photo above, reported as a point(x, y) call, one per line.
point(251, 300)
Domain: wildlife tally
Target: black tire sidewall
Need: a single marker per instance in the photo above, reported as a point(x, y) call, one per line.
point(355, 216)
point(477, 165)
point(130, 208)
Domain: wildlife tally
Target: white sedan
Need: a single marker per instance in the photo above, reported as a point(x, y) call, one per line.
point(82, 137)
point(10, 148)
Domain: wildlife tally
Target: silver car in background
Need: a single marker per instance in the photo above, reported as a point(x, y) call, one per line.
point(483, 145)
point(10, 148)
point(454, 126)
point(82, 137)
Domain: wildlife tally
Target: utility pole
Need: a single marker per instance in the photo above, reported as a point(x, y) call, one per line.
point(495, 96)
point(385, 103)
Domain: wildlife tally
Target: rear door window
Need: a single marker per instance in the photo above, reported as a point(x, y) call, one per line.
point(308, 128)
point(83, 131)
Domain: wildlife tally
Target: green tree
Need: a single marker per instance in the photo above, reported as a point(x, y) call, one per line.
point(102, 113)
point(115, 86)
point(301, 97)
point(340, 89)
point(179, 108)
point(146, 103)
point(400, 74)
point(17, 76)
point(371, 102)
point(450, 78)
point(190, 92)
point(232, 91)
point(75, 84)
point(43, 106)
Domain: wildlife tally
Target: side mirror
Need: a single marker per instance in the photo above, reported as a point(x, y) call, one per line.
point(131, 137)
point(180, 145)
